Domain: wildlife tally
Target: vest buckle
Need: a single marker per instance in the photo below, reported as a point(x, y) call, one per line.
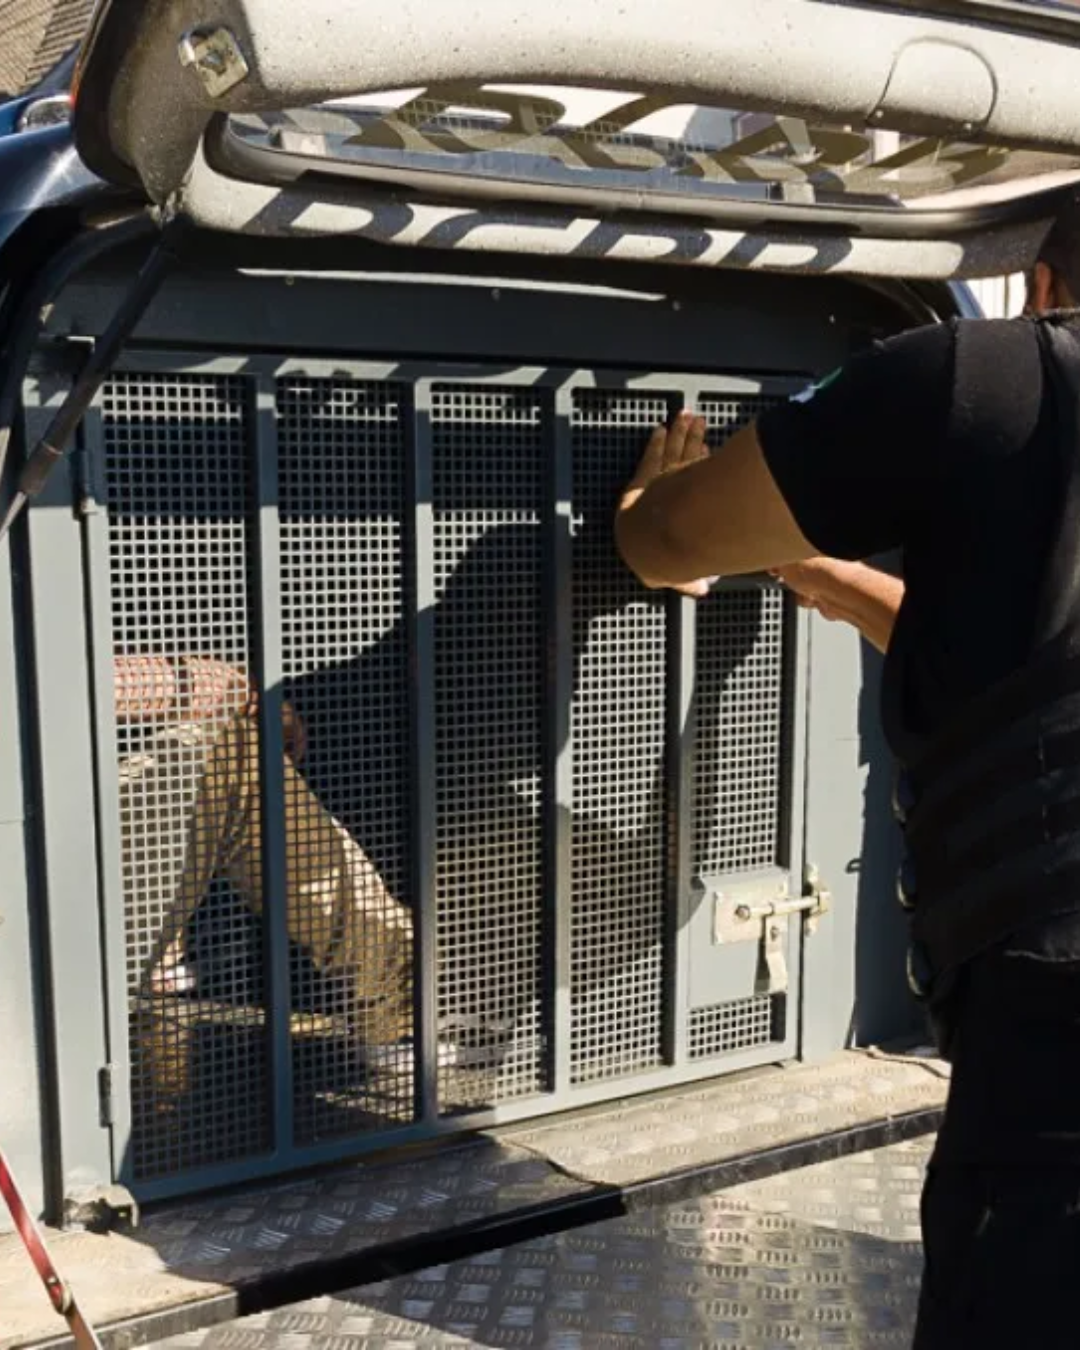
point(906, 890)
point(920, 976)
point(903, 797)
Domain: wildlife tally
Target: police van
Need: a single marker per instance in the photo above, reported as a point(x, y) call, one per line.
point(354, 795)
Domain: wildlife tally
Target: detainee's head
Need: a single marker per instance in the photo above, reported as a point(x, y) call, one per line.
point(1054, 281)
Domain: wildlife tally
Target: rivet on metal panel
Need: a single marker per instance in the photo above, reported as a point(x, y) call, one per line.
point(216, 57)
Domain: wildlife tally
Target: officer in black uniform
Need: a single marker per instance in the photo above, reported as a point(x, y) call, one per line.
point(958, 444)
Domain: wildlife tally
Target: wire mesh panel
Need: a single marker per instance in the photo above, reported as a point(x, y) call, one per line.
point(488, 476)
point(740, 758)
point(183, 487)
point(738, 1024)
point(618, 734)
point(341, 476)
point(726, 413)
point(739, 779)
point(179, 504)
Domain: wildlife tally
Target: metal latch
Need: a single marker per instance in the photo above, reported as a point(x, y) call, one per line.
point(216, 58)
point(758, 910)
point(813, 904)
point(819, 893)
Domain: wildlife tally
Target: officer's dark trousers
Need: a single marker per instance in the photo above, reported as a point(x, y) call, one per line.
point(1002, 1260)
point(1001, 1207)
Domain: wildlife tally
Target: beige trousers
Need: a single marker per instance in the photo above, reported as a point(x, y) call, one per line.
point(191, 812)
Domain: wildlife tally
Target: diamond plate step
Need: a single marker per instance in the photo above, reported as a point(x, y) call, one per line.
point(828, 1255)
point(204, 1260)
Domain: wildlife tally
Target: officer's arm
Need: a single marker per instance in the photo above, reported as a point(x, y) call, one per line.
point(852, 592)
point(688, 514)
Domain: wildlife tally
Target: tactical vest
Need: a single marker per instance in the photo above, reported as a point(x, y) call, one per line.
point(990, 805)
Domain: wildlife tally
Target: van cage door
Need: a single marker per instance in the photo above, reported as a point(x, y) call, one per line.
point(491, 885)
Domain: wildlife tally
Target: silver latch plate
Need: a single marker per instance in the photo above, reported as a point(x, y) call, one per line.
point(216, 58)
point(738, 906)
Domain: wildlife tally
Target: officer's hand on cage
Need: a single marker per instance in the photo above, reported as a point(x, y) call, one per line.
point(669, 450)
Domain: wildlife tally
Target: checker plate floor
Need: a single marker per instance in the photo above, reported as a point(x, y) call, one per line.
point(824, 1256)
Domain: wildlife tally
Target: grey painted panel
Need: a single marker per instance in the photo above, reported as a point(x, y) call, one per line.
point(855, 989)
point(631, 317)
point(12, 801)
point(68, 835)
point(110, 844)
point(22, 1124)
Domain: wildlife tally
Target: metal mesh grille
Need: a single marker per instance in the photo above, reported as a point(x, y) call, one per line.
point(181, 507)
point(741, 1024)
point(488, 475)
point(738, 771)
point(740, 705)
point(618, 854)
point(726, 413)
point(178, 495)
point(342, 495)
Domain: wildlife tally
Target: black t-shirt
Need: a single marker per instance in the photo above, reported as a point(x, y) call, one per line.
point(940, 443)
point(937, 443)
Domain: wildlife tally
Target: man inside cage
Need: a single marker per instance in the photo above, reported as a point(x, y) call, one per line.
point(190, 813)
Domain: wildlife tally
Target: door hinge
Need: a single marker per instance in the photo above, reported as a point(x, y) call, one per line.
point(105, 1097)
point(101, 1209)
point(820, 897)
point(86, 488)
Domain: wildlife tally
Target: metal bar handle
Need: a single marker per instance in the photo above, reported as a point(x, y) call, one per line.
point(57, 1289)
